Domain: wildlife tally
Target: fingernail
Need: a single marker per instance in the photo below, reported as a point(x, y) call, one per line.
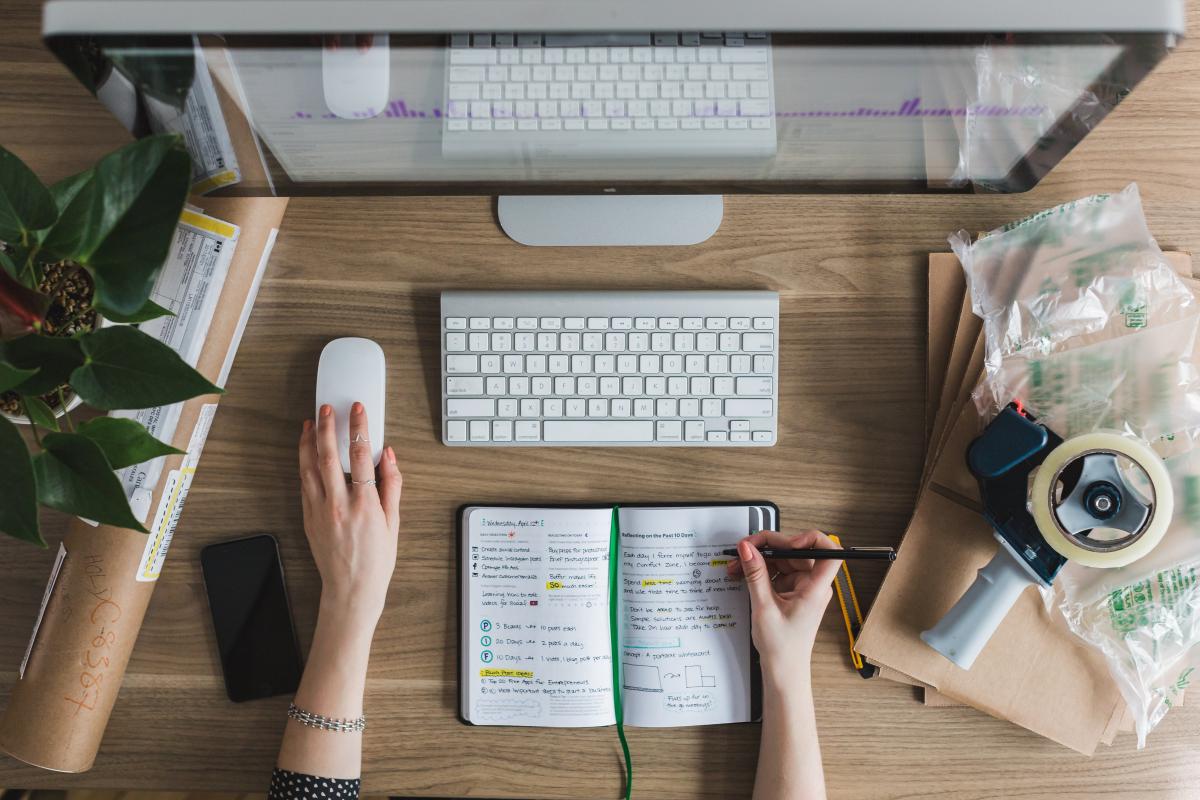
point(307, 425)
point(745, 550)
point(357, 408)
point(326, 410)
point(391, 455)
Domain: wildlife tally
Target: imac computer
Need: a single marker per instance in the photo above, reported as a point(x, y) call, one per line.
point(613, 121)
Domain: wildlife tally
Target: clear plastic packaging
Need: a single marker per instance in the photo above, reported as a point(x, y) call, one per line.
point(1089, 326)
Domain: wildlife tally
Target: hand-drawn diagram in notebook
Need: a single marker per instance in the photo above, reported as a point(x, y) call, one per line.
point(641, 677)
point(694, 677)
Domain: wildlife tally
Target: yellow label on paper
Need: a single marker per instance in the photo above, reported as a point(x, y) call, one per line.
point(554, 585)
point(657, 581)
point(719, 562)
point(505, 673)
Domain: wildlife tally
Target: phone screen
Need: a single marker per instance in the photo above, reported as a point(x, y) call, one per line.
point(253, 622)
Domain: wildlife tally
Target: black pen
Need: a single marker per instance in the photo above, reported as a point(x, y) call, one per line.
point(878, 553)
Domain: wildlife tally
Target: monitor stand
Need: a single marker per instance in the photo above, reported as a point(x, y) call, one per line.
point(600, 220)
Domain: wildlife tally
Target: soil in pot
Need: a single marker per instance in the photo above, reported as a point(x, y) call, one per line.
point(70, 289)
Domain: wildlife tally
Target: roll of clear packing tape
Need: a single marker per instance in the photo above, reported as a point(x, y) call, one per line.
point(1043, 493)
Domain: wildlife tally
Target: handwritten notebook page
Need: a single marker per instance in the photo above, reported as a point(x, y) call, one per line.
point(535, 630)
point(685, 647)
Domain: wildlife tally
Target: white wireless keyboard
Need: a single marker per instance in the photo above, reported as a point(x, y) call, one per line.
point(678, 369)
point(621, 94)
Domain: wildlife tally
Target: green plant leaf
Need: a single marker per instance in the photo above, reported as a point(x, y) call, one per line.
point(11, 376)
point(8, 265)
point(125, 442)
point(18, 506)
point(151, 310)
point(119, 222)
point(25, 204)
point(39, 413)
point(74, 476)
point(125, 368)
point(53, 357)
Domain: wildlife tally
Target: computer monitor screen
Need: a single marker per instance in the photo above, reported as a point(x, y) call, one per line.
point(625, 112)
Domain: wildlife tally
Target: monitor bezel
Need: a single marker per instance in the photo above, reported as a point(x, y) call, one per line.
point(1141, 52)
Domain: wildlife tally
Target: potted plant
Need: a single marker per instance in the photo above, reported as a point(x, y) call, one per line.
point(86, 249)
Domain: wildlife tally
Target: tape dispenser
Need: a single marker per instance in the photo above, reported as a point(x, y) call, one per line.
point(1100, 499)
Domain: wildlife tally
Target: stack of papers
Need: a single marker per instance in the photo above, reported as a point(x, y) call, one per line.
point(1034, 671)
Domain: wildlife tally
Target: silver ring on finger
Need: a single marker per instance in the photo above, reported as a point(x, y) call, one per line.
point(370, 482)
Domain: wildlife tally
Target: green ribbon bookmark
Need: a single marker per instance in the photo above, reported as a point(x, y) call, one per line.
point(614, 631)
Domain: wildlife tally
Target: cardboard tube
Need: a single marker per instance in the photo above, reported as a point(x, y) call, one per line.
point(58, 711)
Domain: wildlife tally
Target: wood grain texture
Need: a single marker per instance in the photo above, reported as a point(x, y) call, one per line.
point(851, 271)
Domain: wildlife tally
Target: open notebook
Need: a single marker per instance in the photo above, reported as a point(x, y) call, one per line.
point(536, 640)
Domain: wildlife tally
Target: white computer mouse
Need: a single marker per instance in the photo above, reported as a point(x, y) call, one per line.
point(356, 79)
point(353, 369)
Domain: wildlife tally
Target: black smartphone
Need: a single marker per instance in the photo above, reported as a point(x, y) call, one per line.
point(259, 652)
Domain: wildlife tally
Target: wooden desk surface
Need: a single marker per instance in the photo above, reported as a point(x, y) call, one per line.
point(851, 271)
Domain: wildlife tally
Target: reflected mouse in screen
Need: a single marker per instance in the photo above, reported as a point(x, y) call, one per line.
point(353, 369)
point(355, 70)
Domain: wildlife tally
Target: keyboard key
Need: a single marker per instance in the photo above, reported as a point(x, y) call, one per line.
point(527, 323)
point(552, 407)
point(759, 387)
point(551, 323)
point(462, 364)
point(496, 386)
point(764, 364)
point(478, 342)
point(489, 365)
point(763, 323)
point(718, 436)
point(743, 55)
point(748, 408)
point(669, 430)
point(528, 431)
point(710, 408)
point(729, 342)
point(739, 424)
point(740, 365)
point(689, 407)
point(574, 323)
point(758, 342)
point(587, 431)
point(763, 436)
point(506, 407)
point(643, 407)
point(693, 431)
point(480, 430)
point(621, 408)
point(739, 436)
point(598, 407)
point(576, 407)
point(456, 430)
point(480, 323)
point(666, 407)
point(514, 364)
point(456, 323)
point(464, 386)
point(456, 342)
point(470, 408)
point(564, 387)
point(531, 407)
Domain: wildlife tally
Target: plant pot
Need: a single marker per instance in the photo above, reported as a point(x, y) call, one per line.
point(73, 400)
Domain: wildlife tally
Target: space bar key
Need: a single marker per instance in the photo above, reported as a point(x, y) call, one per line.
point(598, 431)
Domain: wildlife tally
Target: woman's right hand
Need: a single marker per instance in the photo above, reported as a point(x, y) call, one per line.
point(787, 597)
point(352, 528)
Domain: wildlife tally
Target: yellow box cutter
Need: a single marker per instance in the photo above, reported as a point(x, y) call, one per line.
point(848, 602)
